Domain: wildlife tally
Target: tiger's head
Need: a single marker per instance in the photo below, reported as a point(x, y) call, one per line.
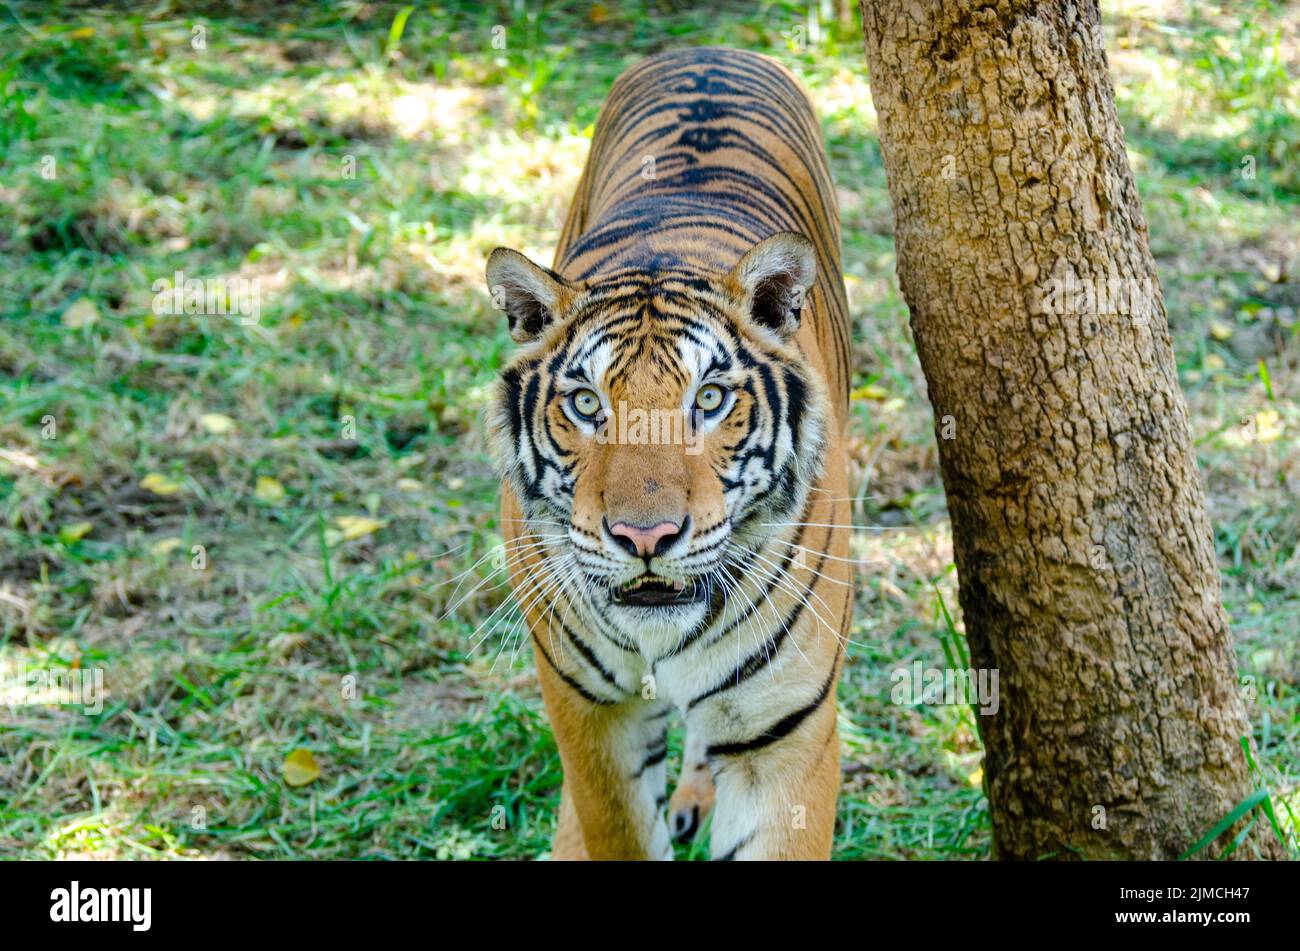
point(659, 424)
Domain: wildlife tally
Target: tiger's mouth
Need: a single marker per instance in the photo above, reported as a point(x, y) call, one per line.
point(651, 591)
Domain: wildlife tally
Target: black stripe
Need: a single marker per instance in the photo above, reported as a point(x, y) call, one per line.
point(769, 649)
point(590, 657)
point(579, 688)
point(653, 758)
point(782, 728)
point(730, 855)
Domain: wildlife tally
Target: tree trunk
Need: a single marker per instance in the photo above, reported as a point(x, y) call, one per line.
point(1087, 568)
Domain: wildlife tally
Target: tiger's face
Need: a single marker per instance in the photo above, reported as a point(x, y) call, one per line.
point(658, 427)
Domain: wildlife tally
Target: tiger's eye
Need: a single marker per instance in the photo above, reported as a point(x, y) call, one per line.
point(585, 403)
point(710, 397)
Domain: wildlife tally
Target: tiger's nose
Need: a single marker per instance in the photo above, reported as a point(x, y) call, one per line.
point(645, 541)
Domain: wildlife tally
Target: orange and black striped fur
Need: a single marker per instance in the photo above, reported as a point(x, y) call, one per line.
point(670, 436)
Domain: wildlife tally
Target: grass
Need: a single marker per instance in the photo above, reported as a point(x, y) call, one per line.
point(250, 527)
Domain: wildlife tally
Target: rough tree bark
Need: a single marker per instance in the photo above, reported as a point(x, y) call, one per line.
point(1086, 564)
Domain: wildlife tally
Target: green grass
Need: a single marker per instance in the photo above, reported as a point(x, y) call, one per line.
point(362, 179)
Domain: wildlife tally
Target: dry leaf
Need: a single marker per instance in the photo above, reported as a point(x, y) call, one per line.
point(159, 484)
point(217, 423)
point(300, 767)
point(869, 392)
point(1268, 425)
point(164, 545)
point(269, 490)
point(76, 531)
point(356, 526)
point(82, 313)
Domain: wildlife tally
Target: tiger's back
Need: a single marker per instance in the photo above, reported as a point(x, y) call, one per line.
point(697, 155)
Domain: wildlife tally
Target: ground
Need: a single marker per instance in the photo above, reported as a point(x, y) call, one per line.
point(272, 531)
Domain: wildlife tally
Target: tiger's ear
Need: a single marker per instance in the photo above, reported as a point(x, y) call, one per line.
point(530, 294)
point(772, 281)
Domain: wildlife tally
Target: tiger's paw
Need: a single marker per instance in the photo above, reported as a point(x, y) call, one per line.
point(692, 801)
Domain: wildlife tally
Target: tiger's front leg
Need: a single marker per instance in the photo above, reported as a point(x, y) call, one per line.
point(776, 790)
point(614, 773)
point(692, 800)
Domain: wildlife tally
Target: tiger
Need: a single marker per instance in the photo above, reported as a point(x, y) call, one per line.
point(670, 432)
